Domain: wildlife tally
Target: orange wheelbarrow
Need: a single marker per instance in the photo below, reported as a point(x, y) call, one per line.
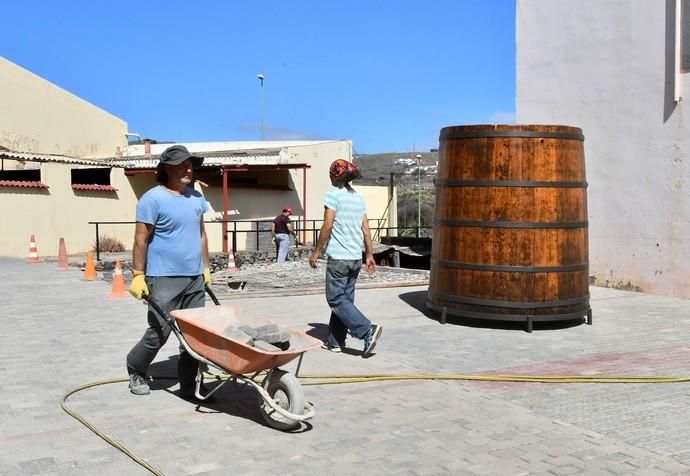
point(200, 331)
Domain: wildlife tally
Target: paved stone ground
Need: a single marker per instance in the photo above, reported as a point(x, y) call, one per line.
point(60, 332)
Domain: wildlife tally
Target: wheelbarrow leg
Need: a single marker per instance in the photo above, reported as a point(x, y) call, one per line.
point(200, 380)
point(299, 364)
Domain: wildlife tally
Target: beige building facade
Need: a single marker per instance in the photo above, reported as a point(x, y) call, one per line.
point(71, 165)
point(54, 210)
point(41, 118)
point(262, 178)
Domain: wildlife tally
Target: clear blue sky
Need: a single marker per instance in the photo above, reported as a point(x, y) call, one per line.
point(386, 74)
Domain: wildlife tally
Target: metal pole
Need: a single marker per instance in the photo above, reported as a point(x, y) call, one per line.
point(390, 204)
point(419, 193)
point(304, 203)
point(260, 77)
point(224, 172)
point(98, 245)
point(257, 235)
point(297, 233)
point(234, 236)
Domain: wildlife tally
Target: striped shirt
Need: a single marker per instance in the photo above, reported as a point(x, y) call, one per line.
point(346, 237)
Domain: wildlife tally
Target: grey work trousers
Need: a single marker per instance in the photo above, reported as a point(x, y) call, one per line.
point(170, 293)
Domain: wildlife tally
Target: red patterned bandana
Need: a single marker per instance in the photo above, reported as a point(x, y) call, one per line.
point(341, 167)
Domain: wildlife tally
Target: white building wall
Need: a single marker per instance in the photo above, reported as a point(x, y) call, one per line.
point(607, 66)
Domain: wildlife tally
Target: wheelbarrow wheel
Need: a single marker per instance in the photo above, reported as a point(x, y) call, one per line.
point(286, 391)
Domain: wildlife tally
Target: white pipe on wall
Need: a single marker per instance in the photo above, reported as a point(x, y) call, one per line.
point(677, 97)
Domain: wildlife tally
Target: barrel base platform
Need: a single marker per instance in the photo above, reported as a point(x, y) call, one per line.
point(526, 318)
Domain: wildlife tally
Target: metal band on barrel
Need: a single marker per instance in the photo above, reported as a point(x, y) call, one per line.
point(510, 268)
point(506, 317)
point(510, 304)
point(507, 183)
point(454, 134)
point(511, 224)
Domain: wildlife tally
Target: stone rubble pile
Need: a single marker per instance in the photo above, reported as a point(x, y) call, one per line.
point(269, 337)
point(298, 274)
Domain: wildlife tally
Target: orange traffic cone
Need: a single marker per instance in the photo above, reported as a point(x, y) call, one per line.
point(90, 268)
point(118, 282)
point(231, 261)
point(33, 252)
point(62, 255)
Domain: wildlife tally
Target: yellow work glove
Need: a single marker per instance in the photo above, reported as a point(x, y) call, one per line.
point(137, 287)
point(207, 276)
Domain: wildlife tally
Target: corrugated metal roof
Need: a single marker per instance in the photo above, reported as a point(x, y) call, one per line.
point(214, 159)
point(202, 148)
point(91, 187)
point(266, 156)
point(22, 184)
point(63, 159)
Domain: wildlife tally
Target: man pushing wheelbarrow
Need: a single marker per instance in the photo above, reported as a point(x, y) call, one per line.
point(171, 272)
point(170, 262)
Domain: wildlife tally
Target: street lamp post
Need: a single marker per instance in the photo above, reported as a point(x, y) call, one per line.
point(260, 77)
point(419, 193)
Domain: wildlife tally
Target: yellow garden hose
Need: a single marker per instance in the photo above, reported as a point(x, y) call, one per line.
point(320, 379)
point(335, 379)
point(108, 439)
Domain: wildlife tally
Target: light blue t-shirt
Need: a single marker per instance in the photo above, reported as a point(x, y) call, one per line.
point(346, 237)
point(174, 247)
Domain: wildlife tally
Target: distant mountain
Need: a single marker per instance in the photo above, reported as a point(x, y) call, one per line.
point(411, 198)
point(376, 168)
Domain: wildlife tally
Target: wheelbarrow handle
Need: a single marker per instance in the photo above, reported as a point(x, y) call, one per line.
point(211, 295)
point(164, 314)
point(173, 325)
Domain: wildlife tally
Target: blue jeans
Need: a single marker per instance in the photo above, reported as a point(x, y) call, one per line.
point(282, 240)
point(341, 276)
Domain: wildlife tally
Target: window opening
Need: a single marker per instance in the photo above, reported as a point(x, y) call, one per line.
point(23, 175)
point(92, 179)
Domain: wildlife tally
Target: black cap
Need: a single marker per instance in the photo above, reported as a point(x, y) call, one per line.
point(176, 154)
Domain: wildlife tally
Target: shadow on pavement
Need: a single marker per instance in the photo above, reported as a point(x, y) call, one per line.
point(164, 373)
point(417, 300)
point(320, 331)
point(235, 398)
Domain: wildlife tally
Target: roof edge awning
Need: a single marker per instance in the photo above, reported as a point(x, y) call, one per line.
point(229, 168)
point(22, 184)
point(55, 158)
point(214, 159)
point(93, 187)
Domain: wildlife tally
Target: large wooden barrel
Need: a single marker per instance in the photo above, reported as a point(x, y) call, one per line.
point(510, 228)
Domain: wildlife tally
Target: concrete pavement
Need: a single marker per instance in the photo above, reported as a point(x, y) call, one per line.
point(59, 332)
